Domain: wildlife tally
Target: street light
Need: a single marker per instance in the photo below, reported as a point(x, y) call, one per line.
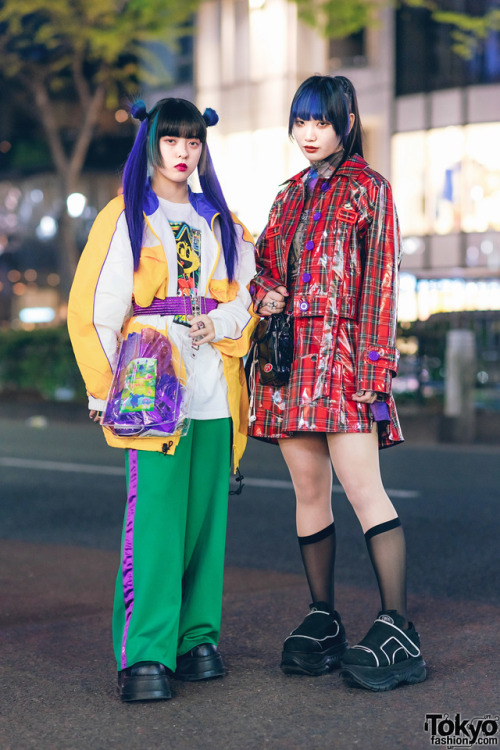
point(75, 204)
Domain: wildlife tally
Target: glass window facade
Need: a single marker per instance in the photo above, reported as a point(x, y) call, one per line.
point(421, 298)
point(425, 60)
point(349, 51)
point(447, 180)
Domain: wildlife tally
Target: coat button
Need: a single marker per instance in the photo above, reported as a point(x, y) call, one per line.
point(325, 186)
point(317, 216)
point(309, 245)
point(304, 306)
point(306, 277)
point(373, 356)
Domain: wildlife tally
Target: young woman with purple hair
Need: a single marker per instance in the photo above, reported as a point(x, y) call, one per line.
point(165, 259)
point(330, 255)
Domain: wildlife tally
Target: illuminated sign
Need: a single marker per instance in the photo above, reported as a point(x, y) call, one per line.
point(447, 180)
point(37, 315)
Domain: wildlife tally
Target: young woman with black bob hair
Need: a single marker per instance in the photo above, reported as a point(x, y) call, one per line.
point(163, 259)
point(330, 254)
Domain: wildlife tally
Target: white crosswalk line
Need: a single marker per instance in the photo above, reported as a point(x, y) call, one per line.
point(273, 484)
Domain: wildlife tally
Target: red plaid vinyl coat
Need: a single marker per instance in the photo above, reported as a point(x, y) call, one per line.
point(343, 301)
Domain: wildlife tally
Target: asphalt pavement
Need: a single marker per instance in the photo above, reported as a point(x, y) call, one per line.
point(61, 505)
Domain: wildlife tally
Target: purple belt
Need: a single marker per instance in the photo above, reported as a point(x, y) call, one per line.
point(177, 306)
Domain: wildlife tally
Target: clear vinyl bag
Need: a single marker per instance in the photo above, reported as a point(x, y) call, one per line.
point(151, 391)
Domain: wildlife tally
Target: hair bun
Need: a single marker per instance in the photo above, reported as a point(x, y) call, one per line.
point(211, 117)
point(138, 110)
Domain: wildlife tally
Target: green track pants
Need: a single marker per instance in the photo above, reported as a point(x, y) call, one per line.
point(168, 595)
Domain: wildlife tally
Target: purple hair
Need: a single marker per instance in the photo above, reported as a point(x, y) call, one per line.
point(179, 118)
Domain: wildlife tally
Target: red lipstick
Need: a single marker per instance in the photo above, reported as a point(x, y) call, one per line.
point(181, 167)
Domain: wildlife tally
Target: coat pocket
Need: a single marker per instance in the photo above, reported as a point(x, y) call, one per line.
point(310, 306)
point(151, 276)
point(223, 290)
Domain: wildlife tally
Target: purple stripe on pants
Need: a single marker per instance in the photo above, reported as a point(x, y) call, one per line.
point(128, 551)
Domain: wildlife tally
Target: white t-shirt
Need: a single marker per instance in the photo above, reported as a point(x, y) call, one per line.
point(204, 365)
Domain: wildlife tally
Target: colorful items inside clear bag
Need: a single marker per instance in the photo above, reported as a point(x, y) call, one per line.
point(150, 392)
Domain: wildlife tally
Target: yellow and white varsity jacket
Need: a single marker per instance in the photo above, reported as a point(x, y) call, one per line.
point(100, 305)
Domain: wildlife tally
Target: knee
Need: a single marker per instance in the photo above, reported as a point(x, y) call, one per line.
point(359, 497)
point(312, 496)
point(368, 499)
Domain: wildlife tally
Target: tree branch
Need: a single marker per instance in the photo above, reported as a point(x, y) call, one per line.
point(79, 79)
point(91, 116)
point(49, 122)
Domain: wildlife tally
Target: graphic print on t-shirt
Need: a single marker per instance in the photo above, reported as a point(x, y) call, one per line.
point(188, 242)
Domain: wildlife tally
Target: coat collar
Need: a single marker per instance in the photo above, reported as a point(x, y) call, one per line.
point(350, 168)
point(197, 200)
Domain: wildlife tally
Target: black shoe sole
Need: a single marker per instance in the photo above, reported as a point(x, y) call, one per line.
point(379, 679)
point(201, 668)
point(145, 689)
point(313, 665)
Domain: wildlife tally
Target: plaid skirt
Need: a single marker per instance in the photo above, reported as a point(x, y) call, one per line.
point(278, 413)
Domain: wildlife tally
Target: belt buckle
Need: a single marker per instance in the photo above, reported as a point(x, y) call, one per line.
point(195, 303)
point(195, 310)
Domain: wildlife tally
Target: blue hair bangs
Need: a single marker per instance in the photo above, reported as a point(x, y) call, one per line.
point(308, 105)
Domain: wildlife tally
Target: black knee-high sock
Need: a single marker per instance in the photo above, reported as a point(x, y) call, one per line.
point(318, 557)
point(387, 550)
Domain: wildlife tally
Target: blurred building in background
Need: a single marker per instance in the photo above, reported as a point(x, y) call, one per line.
point(250, 57)
point(431, 121)
point(432, 126)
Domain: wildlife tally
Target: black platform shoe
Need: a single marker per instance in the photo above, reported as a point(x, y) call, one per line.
point(144, 681)
point(387, 656)
point(201, 663)
point(317, 645)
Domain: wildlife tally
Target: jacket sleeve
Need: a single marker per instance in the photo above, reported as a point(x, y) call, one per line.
point(99, 301)
point(377, 353)
point(265, 279)
point(234, 319)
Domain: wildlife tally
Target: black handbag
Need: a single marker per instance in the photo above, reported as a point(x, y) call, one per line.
point(273, 349)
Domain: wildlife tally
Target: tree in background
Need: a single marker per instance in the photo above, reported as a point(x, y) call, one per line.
point(84, 54)
point(80, 56)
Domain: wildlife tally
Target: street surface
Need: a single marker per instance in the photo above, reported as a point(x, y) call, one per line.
point(62, 497)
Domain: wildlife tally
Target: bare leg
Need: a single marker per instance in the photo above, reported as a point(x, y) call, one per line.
point(356, 463)
point(309, 463)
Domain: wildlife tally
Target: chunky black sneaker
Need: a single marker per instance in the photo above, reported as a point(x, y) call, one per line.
point(144, 681)
point(386, 657)
point(317, 645)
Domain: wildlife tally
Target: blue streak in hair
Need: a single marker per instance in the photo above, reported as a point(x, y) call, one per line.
point(152, 136)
